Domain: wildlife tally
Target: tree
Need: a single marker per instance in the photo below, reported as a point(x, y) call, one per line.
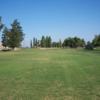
point(96, 41)
point(73, 42)
point(16, 35)
point(68, 42)
point(89, 46)
point(46, 41)
point(78, 42)
point(82, 44)
point(33, 42)
point(31, 45)
point(54, 44)
point(43, 41)
point(49, 41)
point(60, 43)
point(36, 42)
point(1, 24)
point(5, 37)
point(57, 44)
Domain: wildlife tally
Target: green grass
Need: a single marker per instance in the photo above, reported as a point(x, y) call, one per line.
point(52, 74)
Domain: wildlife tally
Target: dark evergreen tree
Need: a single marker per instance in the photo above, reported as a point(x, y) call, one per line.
point(34, 42)
point(5, 37)
point(16, 35)
point(49, 41)
point(38, 43)
point(31, 45)
point(43, 41)
point(46, 41)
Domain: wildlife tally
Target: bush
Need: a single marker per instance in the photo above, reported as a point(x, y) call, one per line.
point(89, 46)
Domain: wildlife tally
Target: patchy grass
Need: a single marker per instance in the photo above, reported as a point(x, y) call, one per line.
point(52, 74)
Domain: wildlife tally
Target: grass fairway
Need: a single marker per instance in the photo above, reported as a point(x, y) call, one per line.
point(59, 74)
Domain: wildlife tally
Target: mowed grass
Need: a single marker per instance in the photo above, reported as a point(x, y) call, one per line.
point(50, 74)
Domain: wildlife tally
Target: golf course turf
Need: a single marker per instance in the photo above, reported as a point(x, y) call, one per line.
point(50, 74)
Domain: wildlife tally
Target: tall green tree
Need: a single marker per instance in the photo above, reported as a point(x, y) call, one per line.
point(5, 37)
point(31, 44)
point(96, 41)
point(48, 41)
point(16, 35)
point(34, 42)
point(43, 41)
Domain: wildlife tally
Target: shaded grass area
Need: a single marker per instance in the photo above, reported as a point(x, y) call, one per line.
point(55, 74)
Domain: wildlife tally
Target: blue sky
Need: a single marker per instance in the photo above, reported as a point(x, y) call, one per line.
point(57, 18)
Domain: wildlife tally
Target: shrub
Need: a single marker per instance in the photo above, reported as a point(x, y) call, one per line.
point(89, 46)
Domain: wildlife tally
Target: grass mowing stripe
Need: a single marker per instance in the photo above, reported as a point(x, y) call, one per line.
point(50, 74)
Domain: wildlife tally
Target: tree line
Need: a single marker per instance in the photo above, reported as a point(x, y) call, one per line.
point(71, 42)
point(12, 37)
point(46, 41)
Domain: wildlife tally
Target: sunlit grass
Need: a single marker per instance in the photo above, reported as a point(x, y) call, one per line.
point(43, 74)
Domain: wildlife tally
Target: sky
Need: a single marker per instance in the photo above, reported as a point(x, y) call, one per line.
point(58, 18)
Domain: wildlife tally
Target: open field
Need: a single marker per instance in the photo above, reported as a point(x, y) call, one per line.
point(59, 74)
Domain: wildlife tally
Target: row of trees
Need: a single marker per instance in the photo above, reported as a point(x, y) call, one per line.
point(46, 41)
point(72, 42)
point(12, 37)
point(77, 42)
